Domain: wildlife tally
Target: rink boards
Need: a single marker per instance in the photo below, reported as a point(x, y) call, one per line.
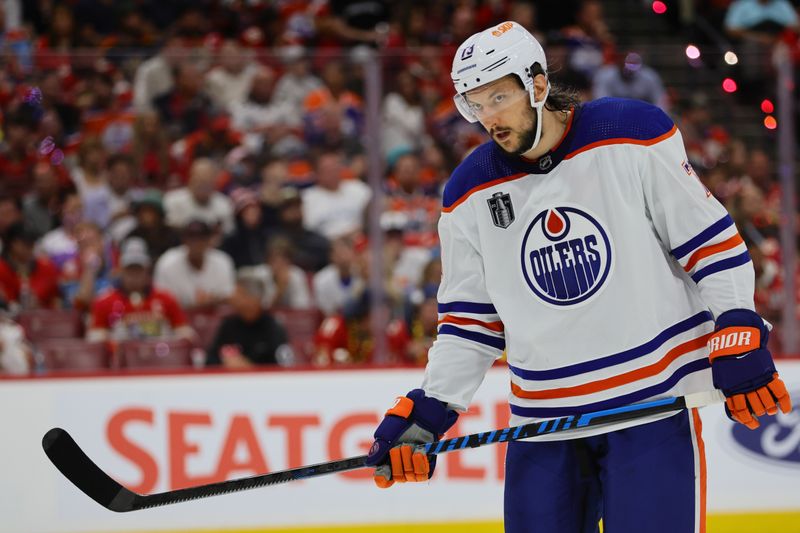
point(161, 432)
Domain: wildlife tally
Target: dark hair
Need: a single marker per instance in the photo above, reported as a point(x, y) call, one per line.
point(20, 232)
point(25, 116)
point(116, 159)
point(11, 199)
point(560, 97)
point(327, 152)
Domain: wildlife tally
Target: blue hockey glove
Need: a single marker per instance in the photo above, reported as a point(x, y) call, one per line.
point(742, 368)
point(413, 419)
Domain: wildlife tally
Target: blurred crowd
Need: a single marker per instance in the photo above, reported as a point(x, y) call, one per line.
point(185, 182)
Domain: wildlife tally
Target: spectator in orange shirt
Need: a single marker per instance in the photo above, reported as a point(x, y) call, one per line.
point(136, 310)
point(26, 282)
point(407, 194)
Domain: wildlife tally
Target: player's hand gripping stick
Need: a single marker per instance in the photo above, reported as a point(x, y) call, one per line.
point(742, 368)
point(413, 419)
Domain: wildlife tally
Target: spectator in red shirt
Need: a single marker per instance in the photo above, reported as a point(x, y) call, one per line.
point(26, 282)
point(10, 214)
point(346, 338)
point(53, 49)
point(17, 152)
point(151, 149)
point(135, 310)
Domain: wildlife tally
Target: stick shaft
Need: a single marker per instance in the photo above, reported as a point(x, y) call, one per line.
point(79, 469)
point(571, 423)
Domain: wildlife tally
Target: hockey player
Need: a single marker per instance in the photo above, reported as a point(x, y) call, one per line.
point(581, 242)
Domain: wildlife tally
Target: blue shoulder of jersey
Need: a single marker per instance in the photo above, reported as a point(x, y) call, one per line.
point(482, 166)
point(603, 121)
point(616, 120)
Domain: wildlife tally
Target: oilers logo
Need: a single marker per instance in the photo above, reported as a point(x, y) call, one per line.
point(566, 256)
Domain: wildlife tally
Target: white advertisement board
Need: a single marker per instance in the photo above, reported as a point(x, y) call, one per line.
point(755, 470)
point(156, 433)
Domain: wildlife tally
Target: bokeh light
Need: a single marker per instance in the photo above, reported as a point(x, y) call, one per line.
point(731, 58)
point(767, 106)
point(770, 123)
point(692, 52)
point(659, 7)
point(729, 85)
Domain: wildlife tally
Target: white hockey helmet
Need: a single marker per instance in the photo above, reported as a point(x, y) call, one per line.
point(487, 56)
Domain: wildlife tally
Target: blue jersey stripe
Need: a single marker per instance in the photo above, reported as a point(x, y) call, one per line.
point(488, 340)
point(725, 264)
point(703, 237)
point(617, 358)
point(619, 401)
point(467, 307)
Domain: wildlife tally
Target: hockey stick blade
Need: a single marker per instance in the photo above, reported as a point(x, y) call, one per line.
point(81, 471)
point(76, 466)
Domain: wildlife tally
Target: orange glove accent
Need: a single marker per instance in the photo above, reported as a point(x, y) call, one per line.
point(408, 465)
point(381, 480)
point(745, 408)
point(402, 407)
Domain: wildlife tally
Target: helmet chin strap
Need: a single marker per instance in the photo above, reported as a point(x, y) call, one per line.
point(538, 106)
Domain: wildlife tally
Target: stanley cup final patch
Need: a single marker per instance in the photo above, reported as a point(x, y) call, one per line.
point(502, 210)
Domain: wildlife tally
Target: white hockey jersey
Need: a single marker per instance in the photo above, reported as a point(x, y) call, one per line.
point(598, 269)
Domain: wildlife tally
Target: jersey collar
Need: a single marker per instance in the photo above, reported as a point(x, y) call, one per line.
point(554, 156)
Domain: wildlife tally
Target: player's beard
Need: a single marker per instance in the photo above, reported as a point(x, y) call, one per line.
point(525, 138)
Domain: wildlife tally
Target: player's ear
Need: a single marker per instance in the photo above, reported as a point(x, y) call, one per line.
point(539, 86)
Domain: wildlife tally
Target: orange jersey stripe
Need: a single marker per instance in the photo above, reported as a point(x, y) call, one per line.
point(702, 253)
point(561, 140)
point(605, 142)
point(623, 140)
point(462, 321)
point(481, 187)
point(701, 453)
point(614, 381)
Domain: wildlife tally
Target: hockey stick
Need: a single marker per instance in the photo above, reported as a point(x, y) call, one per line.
point(70, 460)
